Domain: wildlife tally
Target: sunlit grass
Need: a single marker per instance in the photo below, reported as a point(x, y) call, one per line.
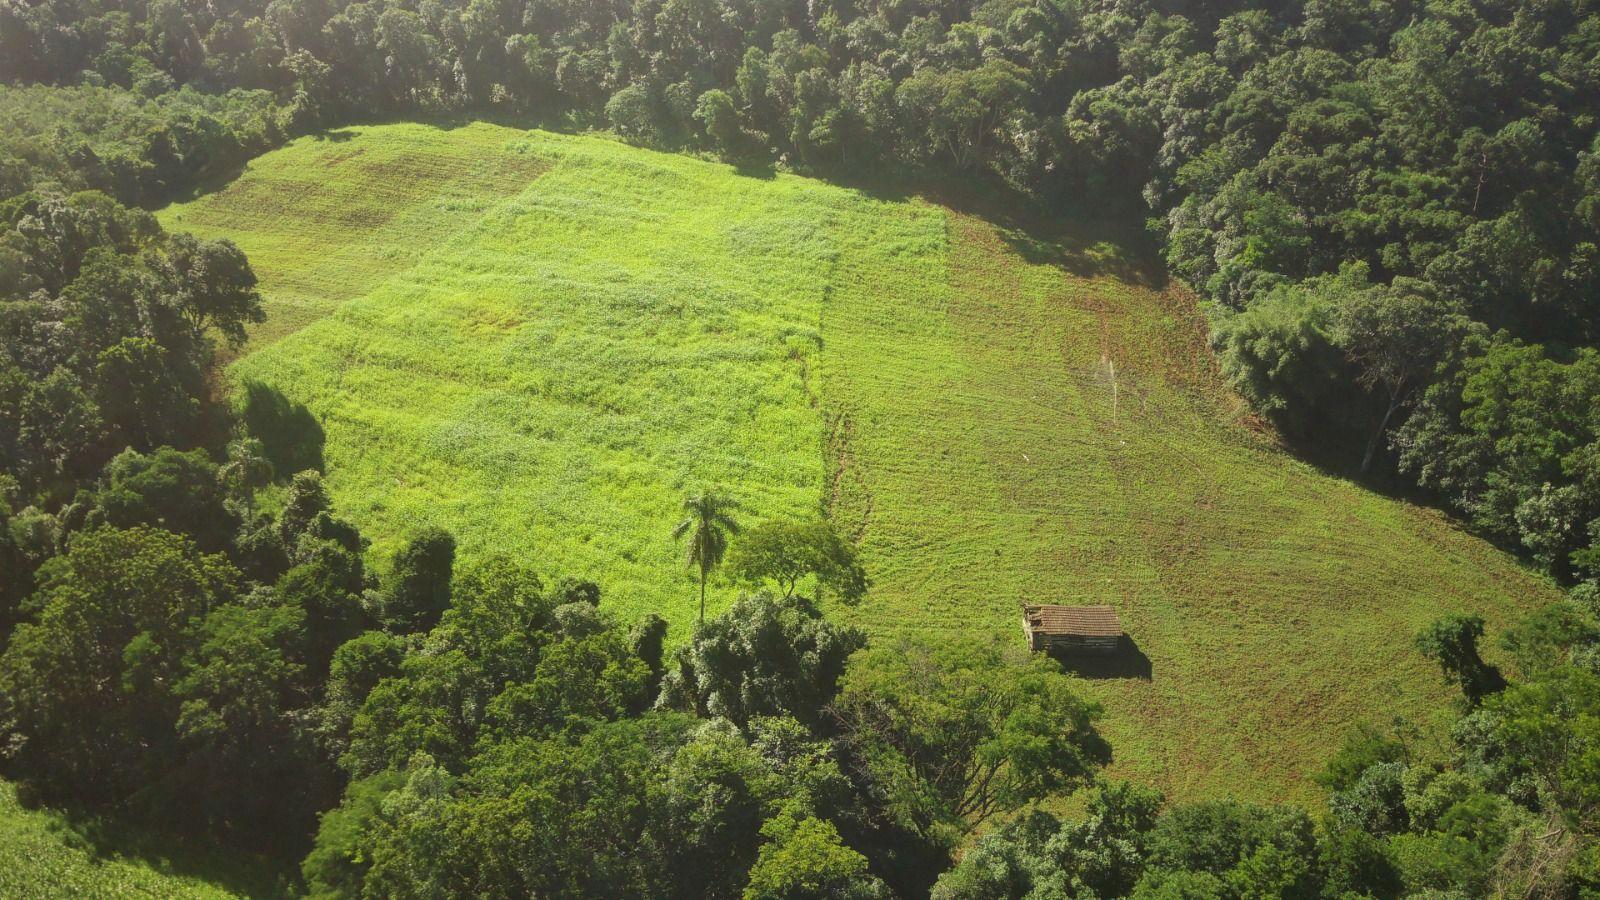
point(1010, 431)
point(547, 355)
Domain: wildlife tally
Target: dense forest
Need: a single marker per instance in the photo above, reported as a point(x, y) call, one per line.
point(1390, 209)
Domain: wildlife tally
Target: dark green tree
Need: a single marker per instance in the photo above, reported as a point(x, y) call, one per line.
point(972, 736)
point(418, 591)
point(763, 657)
point(1452, 642)
point(94, 677)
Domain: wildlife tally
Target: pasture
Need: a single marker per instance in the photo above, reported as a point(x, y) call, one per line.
point(544, 342)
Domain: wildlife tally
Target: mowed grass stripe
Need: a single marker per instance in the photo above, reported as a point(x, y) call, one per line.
point(329, 217)
point(554, 380)
point(995, 418)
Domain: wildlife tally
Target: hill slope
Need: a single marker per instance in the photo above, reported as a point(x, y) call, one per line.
point(547, 352)
point(40, 857)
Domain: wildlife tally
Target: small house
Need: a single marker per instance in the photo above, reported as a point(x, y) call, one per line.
point(1090, 630)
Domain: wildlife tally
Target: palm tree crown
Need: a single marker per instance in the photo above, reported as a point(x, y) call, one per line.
point(708, 525)
point(246, 470)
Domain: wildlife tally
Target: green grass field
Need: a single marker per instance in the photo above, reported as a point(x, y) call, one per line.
point(545, 346)
point(40, 857)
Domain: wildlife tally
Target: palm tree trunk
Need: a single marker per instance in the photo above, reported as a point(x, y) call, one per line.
point(703, 574)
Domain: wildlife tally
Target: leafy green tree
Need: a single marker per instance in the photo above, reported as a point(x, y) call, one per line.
point(1562, 633)
point(1358, 864)
point(632, 113)
point(720, 118)
point(1511, 439)
point(787, 552)
point(1460, 853)
point(1364, 746)
point(1375, 803)
point(804, 859)
point(763, 657)
point(592, 676)
point(250, 765)
point(89, 686)
point(166, 488)
point(1251, 851)
point(1101, 855)
point(326, 590)
point(977, 736)
point(434, 706)
point(246, 471)
point(337, 863)
point(139, 397)
point(57, 425)
point(358, 665)
point(1549, 727)
point(213, 285)
point(1395, 337)
point(719, 792)
point(555, 817)
point(1278, 354)
point(707, 527)
point(958, 111)
point(1452, 642)
point(419, 584)
point(1009, 862)
point(305, 500)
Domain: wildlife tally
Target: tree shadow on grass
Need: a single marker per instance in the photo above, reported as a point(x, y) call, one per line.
point(290, 435)
point(755, 167)
point(1105, 241)
point(1128, 661)
point(106, 839)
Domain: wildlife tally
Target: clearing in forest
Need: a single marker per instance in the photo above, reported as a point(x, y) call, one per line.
point(548, 344)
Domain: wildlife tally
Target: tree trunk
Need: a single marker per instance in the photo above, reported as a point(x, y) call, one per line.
point(1483, 175)
point(703, 574)
point(1377, 436)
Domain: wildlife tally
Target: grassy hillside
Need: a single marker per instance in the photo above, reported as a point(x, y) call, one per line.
point(331, 218)
point(41, 857)
point(547, 348)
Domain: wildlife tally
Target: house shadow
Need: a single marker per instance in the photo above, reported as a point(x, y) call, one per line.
point(1127, 661)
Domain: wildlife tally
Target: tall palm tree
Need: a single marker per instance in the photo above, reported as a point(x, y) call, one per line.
point(708, 525)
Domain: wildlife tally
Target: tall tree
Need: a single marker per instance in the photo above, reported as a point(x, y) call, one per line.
point(1395, 336)
point(972, 735)
point(707, 526)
